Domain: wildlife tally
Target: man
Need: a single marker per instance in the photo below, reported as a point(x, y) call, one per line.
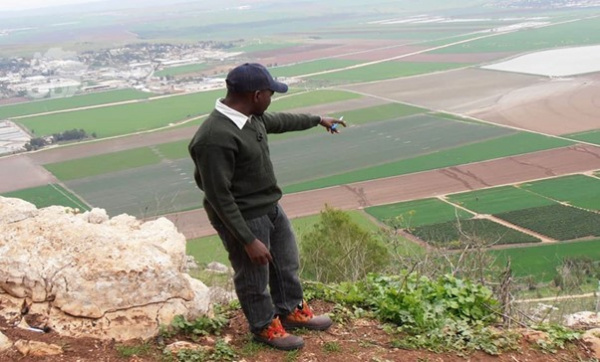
point(233, 168)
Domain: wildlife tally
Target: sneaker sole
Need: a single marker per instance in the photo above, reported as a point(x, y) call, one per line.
point(309, 327)
point(279, 347)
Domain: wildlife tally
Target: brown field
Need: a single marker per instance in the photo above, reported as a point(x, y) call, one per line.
point(510, 170)
point(456, 58)
point(24, 173)
point(536, 103)
point(323, 49)
point(557, 106)
point(455, 90)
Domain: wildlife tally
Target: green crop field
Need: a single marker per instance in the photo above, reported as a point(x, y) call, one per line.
point(498, 199)
point(182, 69)
point(144, 191)
point(311, 67)
point(152, 114)
point(542, 261)
point(49, 195)
point(127, 118)
point(509, 145)
point(577, 190)
point(306, 99)
point(22, 109)
point(417, 213)
point(293, 159)
point(556, 221)
point(590, 136)
point(374, 143)
point(178, 150)
point(482, 231)
point(385, 70)
point(101, 164)
point(583, 32)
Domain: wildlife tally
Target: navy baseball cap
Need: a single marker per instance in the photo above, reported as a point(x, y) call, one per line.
point(250, 77)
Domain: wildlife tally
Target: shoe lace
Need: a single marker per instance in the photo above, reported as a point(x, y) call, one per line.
point(304, 313)
point(275, 329)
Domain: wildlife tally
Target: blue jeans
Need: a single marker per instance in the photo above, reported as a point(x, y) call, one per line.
point(265, 290)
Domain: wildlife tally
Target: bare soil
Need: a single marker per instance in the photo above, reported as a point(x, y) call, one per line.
point(356, 340)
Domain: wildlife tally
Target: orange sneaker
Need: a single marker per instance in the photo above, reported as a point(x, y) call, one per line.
point(275, 336)
point(303, 317)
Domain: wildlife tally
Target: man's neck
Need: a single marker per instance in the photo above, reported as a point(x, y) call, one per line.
point(238, 106)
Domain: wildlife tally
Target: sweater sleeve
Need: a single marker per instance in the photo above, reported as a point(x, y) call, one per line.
point(284, 122)
point(216, 165)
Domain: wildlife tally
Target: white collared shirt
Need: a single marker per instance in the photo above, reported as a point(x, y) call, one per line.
point(236, 117)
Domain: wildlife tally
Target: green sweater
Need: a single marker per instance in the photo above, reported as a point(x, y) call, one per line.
point(234, 169)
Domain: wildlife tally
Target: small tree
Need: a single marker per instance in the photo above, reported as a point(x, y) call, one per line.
point(338, 249)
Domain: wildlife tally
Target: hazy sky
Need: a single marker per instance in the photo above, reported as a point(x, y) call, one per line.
point(33, 4)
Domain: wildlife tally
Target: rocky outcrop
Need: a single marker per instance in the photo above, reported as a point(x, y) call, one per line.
point(88, 275)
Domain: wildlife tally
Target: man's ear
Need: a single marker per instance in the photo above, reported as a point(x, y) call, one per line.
point(256, 95)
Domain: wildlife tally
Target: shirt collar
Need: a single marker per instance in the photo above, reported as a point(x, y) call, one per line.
point(236, 117)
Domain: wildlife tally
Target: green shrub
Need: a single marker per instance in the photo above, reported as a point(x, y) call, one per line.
point(337, 250)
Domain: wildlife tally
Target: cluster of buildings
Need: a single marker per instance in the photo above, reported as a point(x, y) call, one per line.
point(58, 74)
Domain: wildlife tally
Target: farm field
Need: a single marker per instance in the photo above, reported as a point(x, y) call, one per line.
point(561, 65)
point(144, 191)
point(499, 199)
point(464, 90)
point(590, 136)
point(542, 261)
point(417, 213)
point(142, 116)
point(531, 205)
point(383, 71)
point(116, 161)
point(128, 118)
point(180, 70)
point(453, 234)
point(311, 67)
point(23, 109)
point(559, 222)
point(577, 190)
point(509, 145)
point(98, 165)
point(49, 195)
point(294, 159)
point(583, 32)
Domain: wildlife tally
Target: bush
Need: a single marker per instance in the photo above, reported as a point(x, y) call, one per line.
point(338, 249)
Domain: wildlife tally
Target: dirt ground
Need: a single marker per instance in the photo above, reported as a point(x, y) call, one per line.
point(474, 176)
point(356, 340)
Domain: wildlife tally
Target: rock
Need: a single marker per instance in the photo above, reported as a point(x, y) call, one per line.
point(91, 276)
point(216, 267)
point(190, 264)
point(175, 347)
point(533, 336)
point(37, 349)
point(5, 343)
point(96, 216)
point(219, 295)
point(592, 337)
point(582, 319)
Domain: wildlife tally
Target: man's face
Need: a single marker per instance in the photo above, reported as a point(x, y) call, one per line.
point(262, 101)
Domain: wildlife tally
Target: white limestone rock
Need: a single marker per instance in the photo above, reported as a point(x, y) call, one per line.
point(582, 319)
point(88, 275)
point(5, 343)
